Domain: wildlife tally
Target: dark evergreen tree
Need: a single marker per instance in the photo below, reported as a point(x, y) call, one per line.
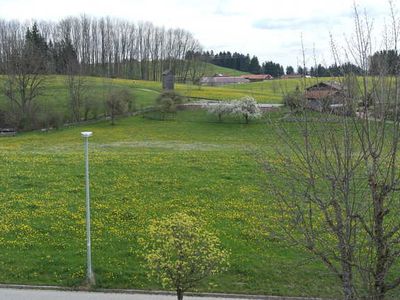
point(385, 61)
point(235, 61)
point(348, 68)
point(289, 70)
point(254, 66)
point(36, 50)
point(302, 71)
point(64, 57)
point(271, 68)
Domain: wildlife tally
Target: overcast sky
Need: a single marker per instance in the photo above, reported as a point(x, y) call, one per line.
point(270, 29)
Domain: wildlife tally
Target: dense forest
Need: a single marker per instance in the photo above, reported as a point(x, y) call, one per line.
point(242, 62)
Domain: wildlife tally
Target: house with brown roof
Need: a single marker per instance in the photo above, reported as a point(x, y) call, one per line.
point(325, 95)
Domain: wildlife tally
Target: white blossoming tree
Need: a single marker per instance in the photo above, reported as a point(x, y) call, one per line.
point(247, 108)
point(219, 109)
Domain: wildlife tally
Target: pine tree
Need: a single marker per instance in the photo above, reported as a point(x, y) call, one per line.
point(254, 66)
point(289, 70)
point(37, 50)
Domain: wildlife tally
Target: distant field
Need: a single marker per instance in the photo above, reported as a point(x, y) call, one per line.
point(55, 93)
point(269, 91)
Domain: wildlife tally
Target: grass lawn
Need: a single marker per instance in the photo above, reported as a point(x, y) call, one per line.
point(269, 91)
point(55, 94)
point(143, 169)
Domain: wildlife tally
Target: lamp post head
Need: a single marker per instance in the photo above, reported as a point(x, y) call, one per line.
point(86, 134)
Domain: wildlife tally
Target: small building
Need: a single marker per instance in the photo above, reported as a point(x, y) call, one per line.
point(257, 77)
point(168, 80)
point(222, 80)
point(325, 95)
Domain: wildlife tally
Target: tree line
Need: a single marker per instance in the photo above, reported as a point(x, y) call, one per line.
point(104, 47)
point(242, 62)
point(237, 61)
point(387, 59)
point(251, 64)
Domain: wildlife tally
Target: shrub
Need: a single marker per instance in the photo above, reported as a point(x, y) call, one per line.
point(118, 102)
point(167, 103)
point(294, 100)
point(91, 107)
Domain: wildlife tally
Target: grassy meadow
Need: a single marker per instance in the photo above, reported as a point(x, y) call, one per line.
point(143, 169)
point(55, 93)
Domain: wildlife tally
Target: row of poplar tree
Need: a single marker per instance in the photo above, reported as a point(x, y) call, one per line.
point(103, 47)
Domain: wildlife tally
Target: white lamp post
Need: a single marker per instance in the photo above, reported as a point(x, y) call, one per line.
point(89, 272)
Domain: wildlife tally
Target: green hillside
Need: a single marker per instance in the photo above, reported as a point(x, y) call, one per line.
point(55, 93)
point(212, 69)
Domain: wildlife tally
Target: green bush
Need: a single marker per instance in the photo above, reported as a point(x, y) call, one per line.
point(295, 100)
point(119, 102)
point(167, 104)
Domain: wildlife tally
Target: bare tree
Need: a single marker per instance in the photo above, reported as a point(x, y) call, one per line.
point(24, 68)
point(118, 102)
point(337, 181)
point(76, 85)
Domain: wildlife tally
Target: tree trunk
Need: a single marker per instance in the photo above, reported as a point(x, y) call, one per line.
point(347, 282)
point(381, 249)
point(179, 293)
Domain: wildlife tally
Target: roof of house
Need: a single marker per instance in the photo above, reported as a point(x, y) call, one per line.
point(319, 94)
point(323, 90)
point(327, 85)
